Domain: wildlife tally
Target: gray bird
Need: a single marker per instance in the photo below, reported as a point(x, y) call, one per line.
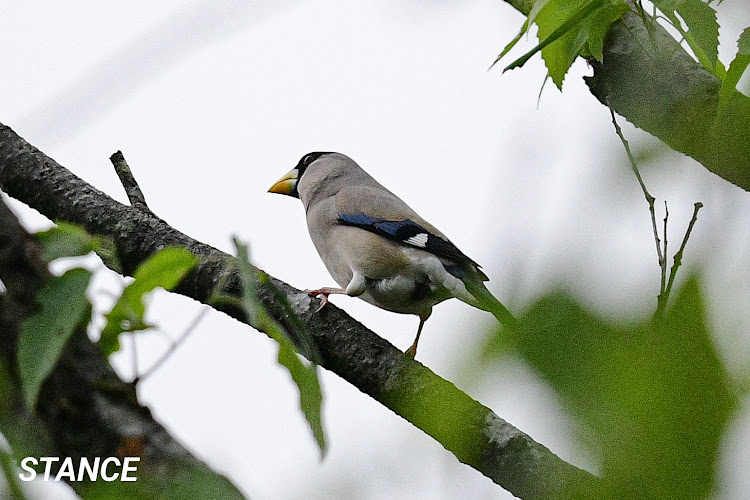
point(377, 248)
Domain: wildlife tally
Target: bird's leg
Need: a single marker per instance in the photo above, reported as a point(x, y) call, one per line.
point(412, 351)
point(323, 293)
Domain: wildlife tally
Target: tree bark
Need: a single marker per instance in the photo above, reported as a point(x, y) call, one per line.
point(84, 408)
point(653, 82)
point(471, 431)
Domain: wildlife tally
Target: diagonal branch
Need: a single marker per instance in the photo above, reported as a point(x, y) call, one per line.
point(657, 86)
point(84, 409)
point(471, 431)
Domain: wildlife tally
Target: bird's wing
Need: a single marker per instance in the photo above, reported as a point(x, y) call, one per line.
point(383, 213)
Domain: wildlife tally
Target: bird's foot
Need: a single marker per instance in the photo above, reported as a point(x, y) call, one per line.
point(323, 293)
point(411, 351)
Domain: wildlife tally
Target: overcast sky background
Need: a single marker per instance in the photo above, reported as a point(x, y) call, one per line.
point(212, 101)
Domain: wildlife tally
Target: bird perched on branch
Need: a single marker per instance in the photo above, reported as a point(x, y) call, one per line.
point(377, 248)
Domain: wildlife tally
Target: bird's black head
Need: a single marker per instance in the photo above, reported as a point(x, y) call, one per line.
point(306, 160)
point(288, 184)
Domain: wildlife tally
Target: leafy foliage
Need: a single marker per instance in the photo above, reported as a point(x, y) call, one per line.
point(569, 28)
point(304, 376)
point(66, 240)
point(736, 70)
point(63, 305)
point(165, 269)
point(702, 32)
point(653, 398)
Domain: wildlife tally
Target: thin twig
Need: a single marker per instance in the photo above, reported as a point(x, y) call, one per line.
point(678, 256)
point(662, 286)
point(650, 199)
point(132, 189)
point(172, 348)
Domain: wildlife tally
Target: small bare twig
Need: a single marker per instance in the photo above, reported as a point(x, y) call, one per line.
point(132, 189)
point(665, 287)
point(650, 199)
point(678, 256)
point(172, 348)
point(663, 264)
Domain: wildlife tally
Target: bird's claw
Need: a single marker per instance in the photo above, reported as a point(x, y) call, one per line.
point(319, 293)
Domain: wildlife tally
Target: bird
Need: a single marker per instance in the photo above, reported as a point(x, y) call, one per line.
point(379, 249)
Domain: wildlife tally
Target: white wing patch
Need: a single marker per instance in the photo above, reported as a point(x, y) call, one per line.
point(418, 240)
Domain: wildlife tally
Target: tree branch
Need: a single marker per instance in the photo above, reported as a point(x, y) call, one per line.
point(656, 85)
point(471, 431)
point(84, 408)
point(132, 189)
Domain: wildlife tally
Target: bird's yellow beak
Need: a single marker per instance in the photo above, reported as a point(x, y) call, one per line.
point(287, 184)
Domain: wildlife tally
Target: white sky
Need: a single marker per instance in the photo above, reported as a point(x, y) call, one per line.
point(213, 101)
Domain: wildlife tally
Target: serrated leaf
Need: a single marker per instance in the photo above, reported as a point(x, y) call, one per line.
point(563, 23)
point(700, 19)
point(559, 24)
point(511, 44)
point(537, 7)
point(165, 269)
point(600, 22)
point(305, 377)
point(668, 5)
point(734, 74)
point(63, 304)
point(65, 240)
point(743, 44)
point(654, 398)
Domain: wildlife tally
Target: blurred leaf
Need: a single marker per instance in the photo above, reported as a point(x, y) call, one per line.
point(108, 253)
point(653, 398)
point(63, 305)
point(165, 269)
point(304, 376)
point(10, 471)
point(174, 480)
point(66, 240)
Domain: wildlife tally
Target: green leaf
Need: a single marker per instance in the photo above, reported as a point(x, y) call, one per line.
point(703, 28)
point(511, 44)
point(10, 471)
point(66, 240)
point(654, 399)
point(305, 377)
point(63, 305)
point(736, 70)
point(538, 6)
point(165, 269)
point(599, 24)
point(568, 36)
point(560, 23)
point(743, 44)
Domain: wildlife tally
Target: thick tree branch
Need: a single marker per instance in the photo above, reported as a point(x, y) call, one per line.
point(651, 80)
point(654, 83)
point(84, 408)
point(471, 431)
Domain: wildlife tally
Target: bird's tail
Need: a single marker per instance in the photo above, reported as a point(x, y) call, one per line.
point(488, 302)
